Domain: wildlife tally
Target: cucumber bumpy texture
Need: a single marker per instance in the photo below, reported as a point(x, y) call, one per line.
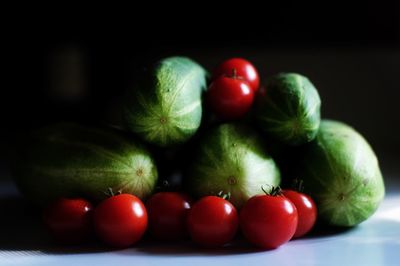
point(289, 110)
point(165, 107)
point(231, 158)
point(341, 172)
point(69, 160)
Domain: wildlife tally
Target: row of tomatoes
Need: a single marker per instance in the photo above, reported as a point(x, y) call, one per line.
point(267, 220)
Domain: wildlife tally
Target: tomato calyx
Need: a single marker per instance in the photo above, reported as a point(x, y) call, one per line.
point(273, 190)
point(110, 193)
point(298, 185)
point(165, 186)
point(234, 75)
point(245, 69)
point(225, 196)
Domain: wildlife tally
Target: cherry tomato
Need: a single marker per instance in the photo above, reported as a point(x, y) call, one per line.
point(121, 220)
point(244, 69)
point(230, 97)
point(212, 221)
point(167, 213)
point(69, 220)
point(268, 221)
point(306, 210)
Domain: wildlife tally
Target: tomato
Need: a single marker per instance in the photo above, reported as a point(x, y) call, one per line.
point(306, 210)
point(244, 69)
point(167, 213)
point(268, 221)
point(69, 220)
point(212, 221)
point(230, 97)
point(121, 220)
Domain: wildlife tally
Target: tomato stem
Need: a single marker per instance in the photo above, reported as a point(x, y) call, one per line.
point(165, 183)
point(273, 191)
point(225, 196)
point(110, 192)
point(164, 186)
point(234, 73)
point(298, 185)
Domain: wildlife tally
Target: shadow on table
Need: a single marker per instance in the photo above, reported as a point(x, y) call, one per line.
point(323, 231)
point(188, 248)
point(237, 247)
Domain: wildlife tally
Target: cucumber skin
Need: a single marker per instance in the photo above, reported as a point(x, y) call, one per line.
point(70, 160)
point(341, 172)
point(289, 110)
point(226, 151)
point(165, 106)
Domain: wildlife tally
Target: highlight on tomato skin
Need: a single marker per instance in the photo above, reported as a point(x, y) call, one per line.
point(120, 221)
point(212, 222)
point(230, 97)
point(306, 209)
point(268, 221)
point(69, 220)
point(244, 69)
point(167, 213)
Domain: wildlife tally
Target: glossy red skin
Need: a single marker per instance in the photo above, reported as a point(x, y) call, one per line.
point(268, 221)
point(69, 220)
point(167, 212)
point(121, 220)
point(212, 222)
point(244, 69)
point(229, 97)
point(306, 210)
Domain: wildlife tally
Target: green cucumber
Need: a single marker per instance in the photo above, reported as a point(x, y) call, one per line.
point(165, 106)
point(289, 110)
point(341, 172)
point(231, 158)
point(69, 160)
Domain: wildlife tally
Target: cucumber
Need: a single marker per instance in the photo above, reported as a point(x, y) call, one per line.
point(231, 158)
point(289, 110)
point(70, 160)
point(165, 107)
point(341, 172)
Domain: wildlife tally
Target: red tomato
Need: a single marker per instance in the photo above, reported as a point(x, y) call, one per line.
point(244, 69)
point(230, 97)
point(69, 220)
point(268, 221)
point(212, 221)
point(306, 210)
point(121, 220)
point(167, 213)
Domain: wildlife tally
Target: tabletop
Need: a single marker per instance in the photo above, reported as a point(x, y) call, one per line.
point(375, 242)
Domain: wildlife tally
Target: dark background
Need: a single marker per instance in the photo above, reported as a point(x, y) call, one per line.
point(75, 67)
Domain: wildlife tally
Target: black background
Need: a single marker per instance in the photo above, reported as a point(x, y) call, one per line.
point(351, 53)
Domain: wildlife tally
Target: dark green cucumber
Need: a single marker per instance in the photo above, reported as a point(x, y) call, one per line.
point(68, 160)
point(289, 110)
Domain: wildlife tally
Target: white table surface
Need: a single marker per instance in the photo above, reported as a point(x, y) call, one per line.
point(375, 242)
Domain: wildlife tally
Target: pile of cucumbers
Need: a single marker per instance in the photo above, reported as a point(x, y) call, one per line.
point(168, 123)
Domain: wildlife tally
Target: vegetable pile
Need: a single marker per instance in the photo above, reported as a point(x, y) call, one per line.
point(202, 159)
